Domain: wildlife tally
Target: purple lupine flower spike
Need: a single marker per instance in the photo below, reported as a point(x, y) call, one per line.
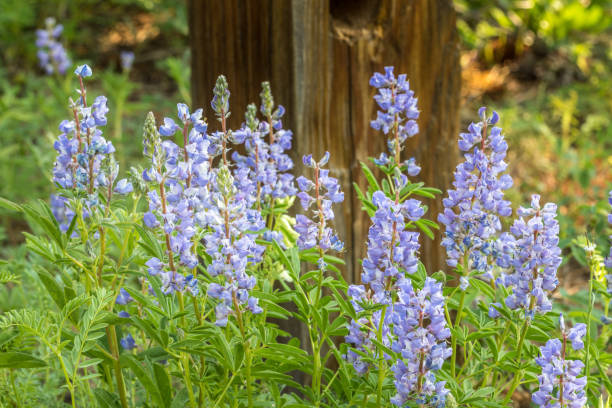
point(322, 193)
point(559, 384)
point(411, 322)
point(52, 55)
point(474, 206)
point(534, 239)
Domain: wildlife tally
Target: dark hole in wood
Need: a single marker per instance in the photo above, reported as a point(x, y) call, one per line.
point(355, 13)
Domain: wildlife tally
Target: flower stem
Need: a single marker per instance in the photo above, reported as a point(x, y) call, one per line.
point(458, 319)
point(519, 349)
point(381, 360)
point(185, 357)
point(111, 333)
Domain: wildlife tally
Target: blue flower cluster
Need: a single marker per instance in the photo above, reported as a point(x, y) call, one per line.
point(325, 192)
point(81, 146)
point(127, 60)
point(52, 55)
point(421, 331)
point(398, 112)
point(473, 208)
point(84, 159)
point(560, 384)
point(532, 251)
point(391, 253)
point(410, 321)
point(177, 176)
point(232, 248)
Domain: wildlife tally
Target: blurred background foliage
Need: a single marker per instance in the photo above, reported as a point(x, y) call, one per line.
point(32, 104)
point(544, 65)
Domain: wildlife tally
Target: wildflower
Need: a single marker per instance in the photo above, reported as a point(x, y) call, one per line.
point(231, 243)
point(325, 193)
point(127, 60)
point(83, 71)
point(128, 342)
point(421, 330)
point(398, 106)
point(473, 208)
point(124, 187)
point(52, 55)
point(537, 256)
point(123, 298)
point(559, 383)
point(173, 201)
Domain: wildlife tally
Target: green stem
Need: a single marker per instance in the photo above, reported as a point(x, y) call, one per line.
point(17, 398)
point(458, 319)
point(517, 378)
point(185, 358)
point(587, 343)
point(111, 334)
point(381, 360)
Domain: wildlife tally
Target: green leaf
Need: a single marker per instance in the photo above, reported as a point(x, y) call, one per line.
point(163, 383)
point(16, 359)
point(53, 287)
point(106, 399)
point(370, 176)
point(144, 377)
point(9, 205)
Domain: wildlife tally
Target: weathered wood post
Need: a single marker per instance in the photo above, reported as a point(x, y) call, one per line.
point(318, 56)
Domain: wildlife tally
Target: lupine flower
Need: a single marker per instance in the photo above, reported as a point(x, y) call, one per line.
point(51, 54)
point(560, 384)
point(181, 176)
point(123, 298)
point(392, 255)
point(325, 192)
point(279, 141)
point(128, 342)
point(127, 60)
point(493, 310)
point(420, 328)
point(398, 106)
point(81, 146)
point(267, 163)
point(473, 208)
point(61, 211)
point(535, 241)
point(85, 158)
point(231, 242)
point(232, 248)
point(124, 187)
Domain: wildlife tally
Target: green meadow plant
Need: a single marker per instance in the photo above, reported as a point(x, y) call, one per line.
point(165, 285)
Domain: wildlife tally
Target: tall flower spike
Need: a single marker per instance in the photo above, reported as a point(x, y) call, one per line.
point(398, 106)
point(537, 256)
point(325, 193)
point(52, 55)
point(560, 384)
point(279, 141)
point(392, 255)
point(232, 249)
point(421, 330)
point(84, 157)
point(473, 208)
point(172, 202)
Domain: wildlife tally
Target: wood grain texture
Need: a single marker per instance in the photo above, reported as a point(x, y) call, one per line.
point(319, 56)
